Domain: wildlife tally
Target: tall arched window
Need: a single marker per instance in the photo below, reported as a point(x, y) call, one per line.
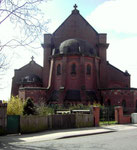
point(88, 71)
point(124, 104)
point(73, 69)
point(58, 69)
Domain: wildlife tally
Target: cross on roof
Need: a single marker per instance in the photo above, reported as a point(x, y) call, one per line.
point(75, 6)
point(32, 58)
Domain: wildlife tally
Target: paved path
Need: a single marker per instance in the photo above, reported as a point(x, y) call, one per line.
point(59, 134)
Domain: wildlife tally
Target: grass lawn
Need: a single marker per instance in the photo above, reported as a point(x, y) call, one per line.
point(107, 123)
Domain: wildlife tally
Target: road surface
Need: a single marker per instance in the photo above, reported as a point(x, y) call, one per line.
point(121, 140)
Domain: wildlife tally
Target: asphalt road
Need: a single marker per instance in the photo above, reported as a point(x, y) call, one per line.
point(121, 140)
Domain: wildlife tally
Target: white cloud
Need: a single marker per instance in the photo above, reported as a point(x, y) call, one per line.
point(117, 19)
point(122, 53)
point(115, 15)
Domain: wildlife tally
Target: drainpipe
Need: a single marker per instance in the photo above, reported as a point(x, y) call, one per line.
point(51, 71)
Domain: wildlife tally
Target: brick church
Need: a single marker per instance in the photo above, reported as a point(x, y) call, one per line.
point(75, 69)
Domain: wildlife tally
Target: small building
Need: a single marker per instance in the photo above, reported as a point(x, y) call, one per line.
point(75, 70)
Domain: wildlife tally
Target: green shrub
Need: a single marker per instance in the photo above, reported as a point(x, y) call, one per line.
point(80, 106)
point(43, 110)
point(29, 108)
point(15, 106)
point(97, 104)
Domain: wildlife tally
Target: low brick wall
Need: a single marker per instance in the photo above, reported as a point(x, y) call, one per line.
point(30, 124)
point(120, 118)
point(125, 120)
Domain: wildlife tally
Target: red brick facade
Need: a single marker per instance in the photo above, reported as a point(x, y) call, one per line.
point(75, 69)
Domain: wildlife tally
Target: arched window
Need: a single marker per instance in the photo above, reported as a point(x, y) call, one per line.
point(73, 69)
point(88, 71)
point(124, 104)
point(58, 69)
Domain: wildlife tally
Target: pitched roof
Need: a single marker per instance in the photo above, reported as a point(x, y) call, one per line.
point(76, 15)
point(32, 62)
point(125, 73)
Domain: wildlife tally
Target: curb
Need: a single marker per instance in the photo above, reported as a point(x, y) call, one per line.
point(87, 134)
point(57, 137)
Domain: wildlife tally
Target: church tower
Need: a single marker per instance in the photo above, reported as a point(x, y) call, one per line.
point(75, 68)
point(73, 55)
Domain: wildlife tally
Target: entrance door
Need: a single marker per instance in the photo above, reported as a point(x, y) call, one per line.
point(13, 124)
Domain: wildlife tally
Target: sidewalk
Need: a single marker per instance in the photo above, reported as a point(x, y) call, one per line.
point(66, 133)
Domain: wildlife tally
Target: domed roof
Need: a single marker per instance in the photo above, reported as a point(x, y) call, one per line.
point(76, 46)
point(31, 78)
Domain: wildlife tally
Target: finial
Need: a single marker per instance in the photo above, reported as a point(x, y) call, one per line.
point(75, 11)
point(32, 58)
point(75, 6)
point(126, 73)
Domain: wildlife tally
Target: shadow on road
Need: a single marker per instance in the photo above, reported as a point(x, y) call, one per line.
point(11, 142)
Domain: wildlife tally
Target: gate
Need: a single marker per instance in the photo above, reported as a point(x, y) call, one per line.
point(107, 115)
point(13, 124)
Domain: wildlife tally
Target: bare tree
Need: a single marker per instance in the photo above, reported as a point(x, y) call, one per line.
point(26, 18)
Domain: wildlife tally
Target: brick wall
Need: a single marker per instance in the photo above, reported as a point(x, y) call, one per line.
point(75, 26)
point(120, 118)
point(117, 96)
point(37, 94)
point(29, 69)
point(117, 78)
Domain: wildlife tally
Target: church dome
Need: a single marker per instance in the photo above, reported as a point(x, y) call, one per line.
point(31, 79)
point(76, 46)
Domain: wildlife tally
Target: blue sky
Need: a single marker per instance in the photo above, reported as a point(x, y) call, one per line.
point(117, 18)
point(59, 10)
